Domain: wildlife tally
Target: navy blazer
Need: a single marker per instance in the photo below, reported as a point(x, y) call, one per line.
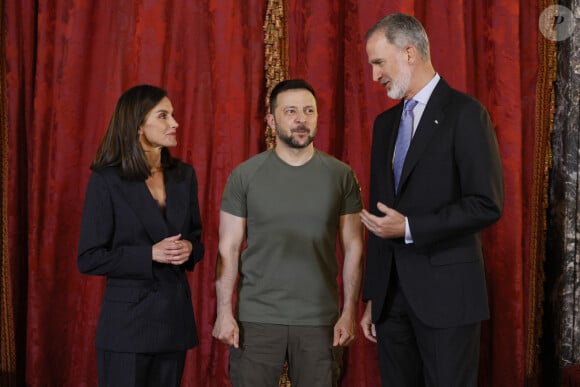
point(147, 305)
point(451, 188)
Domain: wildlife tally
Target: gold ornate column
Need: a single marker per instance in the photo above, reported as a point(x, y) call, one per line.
point(275, 52)
point(7, 339)
point(544, 124)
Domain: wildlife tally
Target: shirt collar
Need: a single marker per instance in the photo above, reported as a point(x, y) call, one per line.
point(425, 93)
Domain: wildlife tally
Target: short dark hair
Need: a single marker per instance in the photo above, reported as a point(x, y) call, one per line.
point(289, 84)
point(120, 145)
point(401, 29)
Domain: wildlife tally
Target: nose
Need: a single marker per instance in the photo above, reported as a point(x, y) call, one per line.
point(300, 117)
point(377, 74)
point(173, 123)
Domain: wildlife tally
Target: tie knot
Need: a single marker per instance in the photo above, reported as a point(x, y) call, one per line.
point(410, 105)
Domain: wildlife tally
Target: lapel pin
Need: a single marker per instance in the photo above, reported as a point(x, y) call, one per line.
point(436, 122)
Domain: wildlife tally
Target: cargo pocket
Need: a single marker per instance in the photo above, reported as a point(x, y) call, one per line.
point(336, 364)
point(234, 365)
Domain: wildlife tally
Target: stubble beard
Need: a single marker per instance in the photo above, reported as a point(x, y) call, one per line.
point(400, 85)
point(289, 139)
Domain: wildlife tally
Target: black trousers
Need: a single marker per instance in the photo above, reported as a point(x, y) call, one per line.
point(414, 354)
point(125, 369)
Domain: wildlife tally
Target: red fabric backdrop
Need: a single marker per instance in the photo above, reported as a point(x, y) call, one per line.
point(69, 60)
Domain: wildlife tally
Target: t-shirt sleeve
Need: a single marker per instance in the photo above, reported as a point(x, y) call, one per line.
point(352, 201)
point(234, 196)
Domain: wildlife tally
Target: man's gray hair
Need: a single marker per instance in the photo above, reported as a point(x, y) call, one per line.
point(402, 30)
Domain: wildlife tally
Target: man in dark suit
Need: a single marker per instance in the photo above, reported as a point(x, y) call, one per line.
point(436, 182)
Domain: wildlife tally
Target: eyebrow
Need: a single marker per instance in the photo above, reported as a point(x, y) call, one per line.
point(296, 107)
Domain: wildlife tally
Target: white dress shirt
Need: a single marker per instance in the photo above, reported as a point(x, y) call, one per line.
point(422, 97)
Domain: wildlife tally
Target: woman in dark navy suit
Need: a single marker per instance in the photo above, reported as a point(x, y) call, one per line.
point(141, 229)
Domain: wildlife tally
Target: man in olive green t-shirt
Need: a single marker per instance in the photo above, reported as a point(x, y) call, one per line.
point(289, 205)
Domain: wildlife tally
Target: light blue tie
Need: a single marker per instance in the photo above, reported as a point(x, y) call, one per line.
point(403, 139)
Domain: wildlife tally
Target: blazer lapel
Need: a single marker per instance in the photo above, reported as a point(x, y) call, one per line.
point(387, 163)
point(177, 192)
point(392, 141)
point(145, 207)
point(430, 120)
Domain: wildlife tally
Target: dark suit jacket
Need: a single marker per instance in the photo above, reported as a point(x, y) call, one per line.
point(451, 188)
point(147, 305)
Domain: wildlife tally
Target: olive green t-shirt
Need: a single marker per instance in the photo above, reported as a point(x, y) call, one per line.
point(288, 269)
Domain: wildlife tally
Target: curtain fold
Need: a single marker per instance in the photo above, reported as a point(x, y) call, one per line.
point(67, 62)
point(18, 79)
point(8, 360)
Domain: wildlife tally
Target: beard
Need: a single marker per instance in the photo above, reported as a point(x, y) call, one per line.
point(289, 139)
point(400, 85)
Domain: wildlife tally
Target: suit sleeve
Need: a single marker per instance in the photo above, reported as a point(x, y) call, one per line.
point(479, 182)
point(96, 252)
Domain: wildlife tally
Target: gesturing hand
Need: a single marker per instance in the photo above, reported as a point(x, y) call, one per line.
point(392, 225)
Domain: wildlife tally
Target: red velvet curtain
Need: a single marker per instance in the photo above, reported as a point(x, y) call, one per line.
point(69, 60)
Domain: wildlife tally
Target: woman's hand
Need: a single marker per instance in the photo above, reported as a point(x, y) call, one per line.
point(172, 250)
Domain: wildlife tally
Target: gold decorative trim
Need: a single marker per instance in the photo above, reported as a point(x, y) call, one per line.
point(543, 127)
point(275, 53)
point(7, 339)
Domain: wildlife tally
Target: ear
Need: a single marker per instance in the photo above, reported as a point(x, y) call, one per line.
point(411, 54)
point(270, 120)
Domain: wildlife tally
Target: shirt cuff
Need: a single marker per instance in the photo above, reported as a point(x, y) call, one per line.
point(408, 236)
